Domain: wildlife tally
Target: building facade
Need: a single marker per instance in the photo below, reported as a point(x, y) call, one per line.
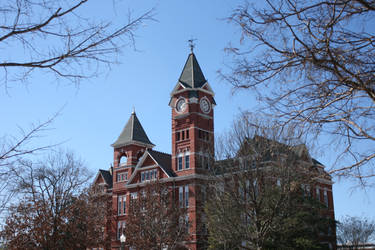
point(135, 162)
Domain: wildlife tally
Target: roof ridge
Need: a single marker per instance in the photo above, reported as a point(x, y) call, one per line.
point(160, 152)
point(132, 126)
point(192, 72)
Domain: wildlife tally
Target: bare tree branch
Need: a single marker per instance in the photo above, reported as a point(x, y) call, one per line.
point(313, 63)
point(58, 38)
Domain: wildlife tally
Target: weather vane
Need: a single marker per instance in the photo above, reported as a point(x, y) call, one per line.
point(191, 44)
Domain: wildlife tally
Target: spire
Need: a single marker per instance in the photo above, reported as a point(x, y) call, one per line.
point(133, 133)
point(192, 76)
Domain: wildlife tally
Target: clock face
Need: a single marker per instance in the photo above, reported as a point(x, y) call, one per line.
point(180, 105)
point(205, 105)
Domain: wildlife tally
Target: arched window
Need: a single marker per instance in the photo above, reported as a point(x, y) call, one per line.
point(123, 160)
point(139, 155)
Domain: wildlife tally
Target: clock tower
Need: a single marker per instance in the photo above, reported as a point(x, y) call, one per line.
point(192, 103)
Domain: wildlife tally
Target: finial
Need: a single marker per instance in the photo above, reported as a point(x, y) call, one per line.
point(133, 112)
point(191, 44)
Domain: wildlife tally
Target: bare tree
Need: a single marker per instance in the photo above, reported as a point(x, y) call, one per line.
point(58, 37)
point(55, 210)
point(355, 232)
point(13, 151)
point(313, 62)
point(155, 221)
point(261, 194)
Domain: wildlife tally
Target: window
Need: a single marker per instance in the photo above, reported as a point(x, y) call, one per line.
point(187, 134)
point(247, 190)
point(220, 187)
point(186, 196)
point(204, 135)
point(318, 193)
point(177, 136)
point(133, 196)
point(241, 191)
point(120, 228)
point(123, 160)
point(325, 196)
point(181, 196)
point(155, 173)
point(204, 194)
point(187, 161)
point(308, 190)
point(255, 187)
point(179, 160)
point(183, 222)
point(119, 205)
point(122, 177)
point(278, 182)
point(124, 205)
point(187, 223)
point(183, 135)
point(149, 175)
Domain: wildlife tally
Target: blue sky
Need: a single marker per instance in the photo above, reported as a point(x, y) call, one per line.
point(94, 113)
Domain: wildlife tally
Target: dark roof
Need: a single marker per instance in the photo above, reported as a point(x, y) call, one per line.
point(132, 132)
point(316, 162)
point(164, 161)
point(107, 176)
point(193, 93)
point(192, 76)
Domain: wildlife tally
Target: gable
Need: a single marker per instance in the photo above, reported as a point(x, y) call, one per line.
point(150, 161)
point(99, 180)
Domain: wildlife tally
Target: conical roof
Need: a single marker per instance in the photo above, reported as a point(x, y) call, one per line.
point(192, 75)
point(133, 132)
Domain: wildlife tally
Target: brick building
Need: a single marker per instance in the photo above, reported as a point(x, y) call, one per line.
point(135, 162)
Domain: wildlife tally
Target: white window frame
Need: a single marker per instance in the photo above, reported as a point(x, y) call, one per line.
point(187, 161)
point(119, 205)
point(179, 162)
point(186, 193)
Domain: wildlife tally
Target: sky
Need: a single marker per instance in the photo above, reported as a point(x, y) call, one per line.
point(93, 114)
